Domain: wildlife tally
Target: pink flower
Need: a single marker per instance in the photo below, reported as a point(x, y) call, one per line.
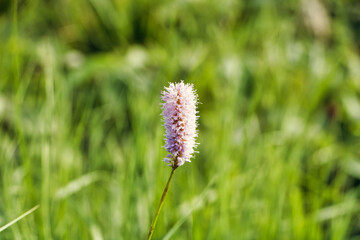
point(179, 110)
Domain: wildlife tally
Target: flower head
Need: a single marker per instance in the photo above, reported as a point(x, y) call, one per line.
point(179, 110)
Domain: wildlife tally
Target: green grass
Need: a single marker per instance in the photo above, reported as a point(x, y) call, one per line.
point(82, 136)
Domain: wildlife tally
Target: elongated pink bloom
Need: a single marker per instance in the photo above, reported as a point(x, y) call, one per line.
point(179, 110)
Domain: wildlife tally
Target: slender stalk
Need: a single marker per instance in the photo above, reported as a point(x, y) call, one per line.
point(18, 218)
point(160, 205)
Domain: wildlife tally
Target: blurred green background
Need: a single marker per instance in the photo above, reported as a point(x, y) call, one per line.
point(279, 130)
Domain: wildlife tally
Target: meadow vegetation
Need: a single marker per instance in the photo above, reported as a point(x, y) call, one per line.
point(279, 130)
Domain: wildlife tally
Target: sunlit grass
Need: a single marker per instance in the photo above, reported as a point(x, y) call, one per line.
point(81, 131)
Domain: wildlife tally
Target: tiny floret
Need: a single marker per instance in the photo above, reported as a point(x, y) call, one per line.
point(179, 111)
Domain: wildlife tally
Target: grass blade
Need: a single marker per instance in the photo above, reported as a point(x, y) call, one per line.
point(18, 218)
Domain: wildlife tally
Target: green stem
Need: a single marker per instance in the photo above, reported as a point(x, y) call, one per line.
point(160, 205)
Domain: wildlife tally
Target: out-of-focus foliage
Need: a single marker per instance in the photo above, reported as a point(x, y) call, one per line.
point(279, 128)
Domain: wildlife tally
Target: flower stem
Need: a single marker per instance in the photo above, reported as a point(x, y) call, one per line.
point(160, 205)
